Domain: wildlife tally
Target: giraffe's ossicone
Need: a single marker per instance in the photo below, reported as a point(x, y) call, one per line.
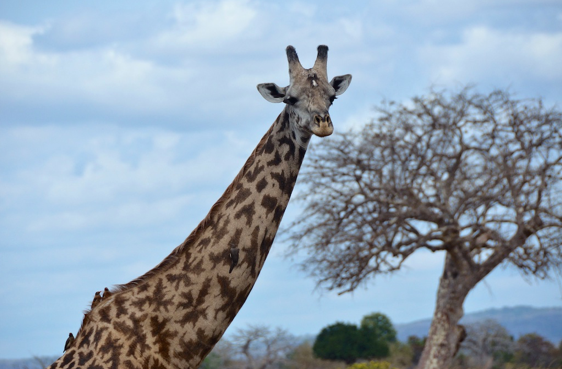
point(172, 316)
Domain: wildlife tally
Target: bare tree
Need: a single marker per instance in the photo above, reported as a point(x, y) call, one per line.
point(487, 343)
point(263, 348)
point(475, 176)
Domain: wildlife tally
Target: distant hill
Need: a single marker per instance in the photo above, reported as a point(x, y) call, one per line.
point(518, 320)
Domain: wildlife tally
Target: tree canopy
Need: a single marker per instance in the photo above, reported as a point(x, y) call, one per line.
point(347, 342)
point(376, 331)
point(339, 341)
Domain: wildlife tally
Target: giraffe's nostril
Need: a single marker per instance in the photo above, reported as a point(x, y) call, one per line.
point(317, 119)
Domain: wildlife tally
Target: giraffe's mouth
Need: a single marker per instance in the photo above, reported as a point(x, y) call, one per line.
point(322, 126)
point(323, 132)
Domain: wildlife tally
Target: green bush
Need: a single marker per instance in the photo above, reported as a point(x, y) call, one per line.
point(347, 342)
point(376, 333)
point(339, 342)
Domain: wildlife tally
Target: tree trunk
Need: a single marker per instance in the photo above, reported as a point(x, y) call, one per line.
point(445, 335)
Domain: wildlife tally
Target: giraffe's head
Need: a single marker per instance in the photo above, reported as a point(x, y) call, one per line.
point(309, 94)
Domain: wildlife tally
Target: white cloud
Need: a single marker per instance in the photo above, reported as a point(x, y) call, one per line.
point(106, 77)
point(486, 54)
point(16, 45)
point(207, 25)
point(214, 22)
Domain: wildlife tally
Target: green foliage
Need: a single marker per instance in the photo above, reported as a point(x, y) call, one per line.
point(379, 325)
point(372, 365)
point(338, 341)
point(347, 342)
point(376, 333)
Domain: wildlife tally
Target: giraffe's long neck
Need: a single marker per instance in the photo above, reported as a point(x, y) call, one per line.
point(173, 315)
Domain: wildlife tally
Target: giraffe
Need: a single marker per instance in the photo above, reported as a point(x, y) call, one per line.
point(172, 316)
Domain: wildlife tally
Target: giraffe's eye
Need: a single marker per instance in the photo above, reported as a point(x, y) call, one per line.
point(332, 98)
point(290, 100)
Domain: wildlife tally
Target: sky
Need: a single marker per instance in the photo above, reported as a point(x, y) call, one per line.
point(121, 123)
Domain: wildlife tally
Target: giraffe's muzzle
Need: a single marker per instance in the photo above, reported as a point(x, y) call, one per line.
point(322, 125)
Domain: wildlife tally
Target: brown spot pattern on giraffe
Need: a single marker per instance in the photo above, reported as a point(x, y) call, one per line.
point(194, 307)
point(290, 154)
point(220, 258)
point(143, 287)
point(159, 297)
point(261, 185)
point(110, 345)
point(84, 358)
point(129, 365)
point(134, 332)
point(252, 175)
point(68, 358)
point(98, 335)
point(276, 160)
point(204, 242)
point(281, 180)
point(269, 203)
point(242, 194)
point(162, 336)
point(120, 309)
point(269, 146)
point(104, 316)
point(222, 230)
point(176, 279)
point(247, 211)
point(85, 341)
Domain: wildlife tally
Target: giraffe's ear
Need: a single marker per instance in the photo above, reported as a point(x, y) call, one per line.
point(341, 83)
point(271, 92)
